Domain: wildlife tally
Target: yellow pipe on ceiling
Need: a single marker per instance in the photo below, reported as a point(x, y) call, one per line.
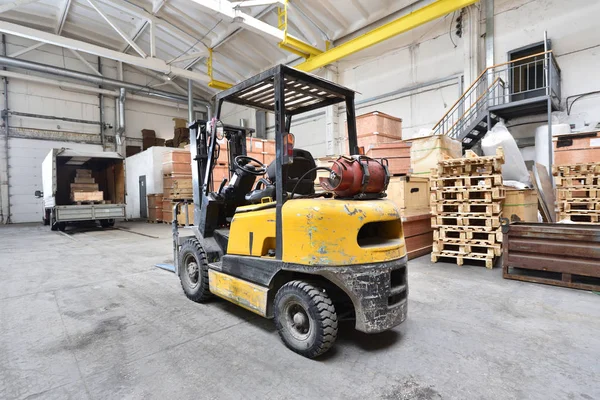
point(403, 24)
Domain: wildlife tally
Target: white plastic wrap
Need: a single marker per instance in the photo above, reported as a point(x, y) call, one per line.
point(541, 141)
point(514, 168)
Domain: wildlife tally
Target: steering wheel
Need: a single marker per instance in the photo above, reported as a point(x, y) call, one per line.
point(261, 170)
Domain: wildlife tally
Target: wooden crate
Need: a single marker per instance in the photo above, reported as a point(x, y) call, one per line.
point(171, 167)
point(155, 214)
point(396, 149)
point(177, 156)
point(418, 233)
point(220, 172)
point(378, 123)
point(520, 205)
point(577, 148)
point(409, 193)
point(167, 213)
point(93, 196)
point(155, 200)
point(426, 152)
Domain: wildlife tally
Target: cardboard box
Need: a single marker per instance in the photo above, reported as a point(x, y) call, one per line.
point(520, 205)
point(426, 152)
point(409, 193)
point(180, 122)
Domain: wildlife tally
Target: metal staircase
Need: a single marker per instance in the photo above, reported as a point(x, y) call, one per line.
point(533, 86)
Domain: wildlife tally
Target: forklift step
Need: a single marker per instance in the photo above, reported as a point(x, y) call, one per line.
point(217, 266)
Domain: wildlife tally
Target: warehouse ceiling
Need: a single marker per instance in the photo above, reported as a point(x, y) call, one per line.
point(184, 30)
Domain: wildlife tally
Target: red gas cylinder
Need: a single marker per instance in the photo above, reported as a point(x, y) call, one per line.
point(358, 177)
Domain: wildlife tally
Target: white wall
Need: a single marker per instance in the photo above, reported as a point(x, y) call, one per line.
point(25, 174)
point(426, 61)
point(37, 98)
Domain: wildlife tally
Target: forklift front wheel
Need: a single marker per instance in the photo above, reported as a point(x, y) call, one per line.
point(193, 271)
point(305, 318)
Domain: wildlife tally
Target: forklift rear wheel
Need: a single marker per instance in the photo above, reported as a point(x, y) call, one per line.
point(193, 271)
point(305, 318)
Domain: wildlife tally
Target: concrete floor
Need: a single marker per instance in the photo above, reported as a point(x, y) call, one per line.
point(86, 315)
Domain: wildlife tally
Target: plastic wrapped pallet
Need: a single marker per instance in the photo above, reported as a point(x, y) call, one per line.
point(514, 165)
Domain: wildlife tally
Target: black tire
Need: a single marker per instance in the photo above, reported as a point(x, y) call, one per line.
point(193, 271)
point(305, 318)
point(106, 223)
point(62, 226)
point(53, 224)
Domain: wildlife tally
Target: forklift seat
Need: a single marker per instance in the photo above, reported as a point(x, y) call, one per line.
point(303, 162)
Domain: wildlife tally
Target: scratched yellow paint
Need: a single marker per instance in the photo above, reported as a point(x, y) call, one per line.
point(243, 293)
point(260, 223)
point(317, 232)
point(325, 231)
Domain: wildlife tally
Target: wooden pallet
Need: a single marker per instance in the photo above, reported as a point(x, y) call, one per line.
point(471, 164)
point(579, 217)
point(470, 195)
point(452, 235)
point(576, 181)
point(154, 221)
point(79, 203)
point(582, 192)
point(178, 194)
point(462, 182)
point(482, 222)
point(486, 209)
point(576, 206)
point(576, 169)
point(470, 247)
point(460, 259)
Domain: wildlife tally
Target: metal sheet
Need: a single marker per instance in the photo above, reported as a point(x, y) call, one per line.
point(556, 254)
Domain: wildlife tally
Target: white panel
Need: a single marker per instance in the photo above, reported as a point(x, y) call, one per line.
point(25, 174)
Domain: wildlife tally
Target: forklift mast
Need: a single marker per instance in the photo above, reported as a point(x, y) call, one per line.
point(205, 150)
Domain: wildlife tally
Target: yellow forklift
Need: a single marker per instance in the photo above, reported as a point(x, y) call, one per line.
point(267, 241)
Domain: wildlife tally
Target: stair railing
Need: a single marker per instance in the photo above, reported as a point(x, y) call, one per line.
point(480, 95)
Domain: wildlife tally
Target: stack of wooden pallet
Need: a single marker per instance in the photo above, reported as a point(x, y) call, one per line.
point(84, 188)
point(177, 182)
point(466, 206)
point(578, 192)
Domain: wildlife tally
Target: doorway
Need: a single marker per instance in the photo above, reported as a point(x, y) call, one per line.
point(143, 198)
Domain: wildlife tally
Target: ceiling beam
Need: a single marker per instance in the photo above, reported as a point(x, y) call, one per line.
point(85, 62)
point(407, 22)
point(117, 29)
point(26, 50)
point(154, 64)
point(14, 4)
point(252, 3)
point(226, 9)
point(62, 17)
